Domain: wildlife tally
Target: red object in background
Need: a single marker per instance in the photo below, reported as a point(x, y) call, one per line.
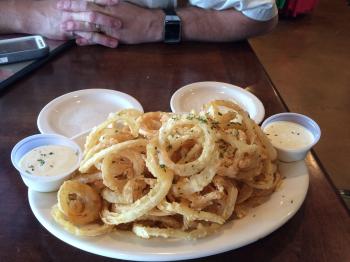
point(297, 7)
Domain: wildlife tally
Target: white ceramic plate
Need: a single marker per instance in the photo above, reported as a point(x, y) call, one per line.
point(260, 222)
point(79, 111)
point(194, 95)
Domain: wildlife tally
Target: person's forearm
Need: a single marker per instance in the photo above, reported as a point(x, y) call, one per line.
point(218, 26)
point(32, 17)
point(12, 13)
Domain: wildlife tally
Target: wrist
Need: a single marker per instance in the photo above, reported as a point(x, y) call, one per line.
point(29, 21)
point(191, 22)
point(156, 26)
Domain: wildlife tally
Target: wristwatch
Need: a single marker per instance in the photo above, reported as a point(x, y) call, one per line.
point(172, 27)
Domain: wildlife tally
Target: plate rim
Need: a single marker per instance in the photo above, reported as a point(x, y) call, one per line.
point(42, 122)
point(259, 105)
point(168, 256)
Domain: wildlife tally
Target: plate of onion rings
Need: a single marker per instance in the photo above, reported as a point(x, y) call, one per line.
point(163, 186)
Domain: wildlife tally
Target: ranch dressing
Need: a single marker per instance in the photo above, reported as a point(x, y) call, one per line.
point(49, 160)
point(288, 135)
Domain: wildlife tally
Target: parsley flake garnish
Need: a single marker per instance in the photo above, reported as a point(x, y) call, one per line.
point(41, 161)
point(203, 120)
point(190, 117)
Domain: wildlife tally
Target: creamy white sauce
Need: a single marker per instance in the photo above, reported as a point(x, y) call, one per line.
point(49, 160)
point(288, 135)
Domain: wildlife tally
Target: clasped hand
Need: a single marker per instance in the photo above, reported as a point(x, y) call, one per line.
point(109, 22)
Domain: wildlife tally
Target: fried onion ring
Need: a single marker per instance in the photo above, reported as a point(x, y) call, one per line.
point(79, 202)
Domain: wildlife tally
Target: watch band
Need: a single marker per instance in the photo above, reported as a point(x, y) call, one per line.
point(172, 26)
point(169, 11)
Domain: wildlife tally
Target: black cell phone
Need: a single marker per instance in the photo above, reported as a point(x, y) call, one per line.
point(22, 48)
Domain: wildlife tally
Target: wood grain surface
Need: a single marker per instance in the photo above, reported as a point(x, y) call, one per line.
point(320, 231)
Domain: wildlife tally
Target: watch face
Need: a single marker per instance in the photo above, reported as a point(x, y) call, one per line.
point(172, 32)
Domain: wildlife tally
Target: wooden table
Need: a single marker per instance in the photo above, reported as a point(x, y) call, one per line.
point(320, 231)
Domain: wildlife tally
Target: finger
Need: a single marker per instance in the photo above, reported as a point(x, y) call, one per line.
point(79, 26)
point(83, 42)
point(104, 2)
point(96, 18)
point(72, 5)
point(97, 38)
point(70, 27)
point(82, 5)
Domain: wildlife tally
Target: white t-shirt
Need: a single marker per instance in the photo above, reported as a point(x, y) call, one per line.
point(261, 10)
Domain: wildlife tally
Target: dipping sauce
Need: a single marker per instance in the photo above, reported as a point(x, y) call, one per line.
point(288, 135)
point(49, 160)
